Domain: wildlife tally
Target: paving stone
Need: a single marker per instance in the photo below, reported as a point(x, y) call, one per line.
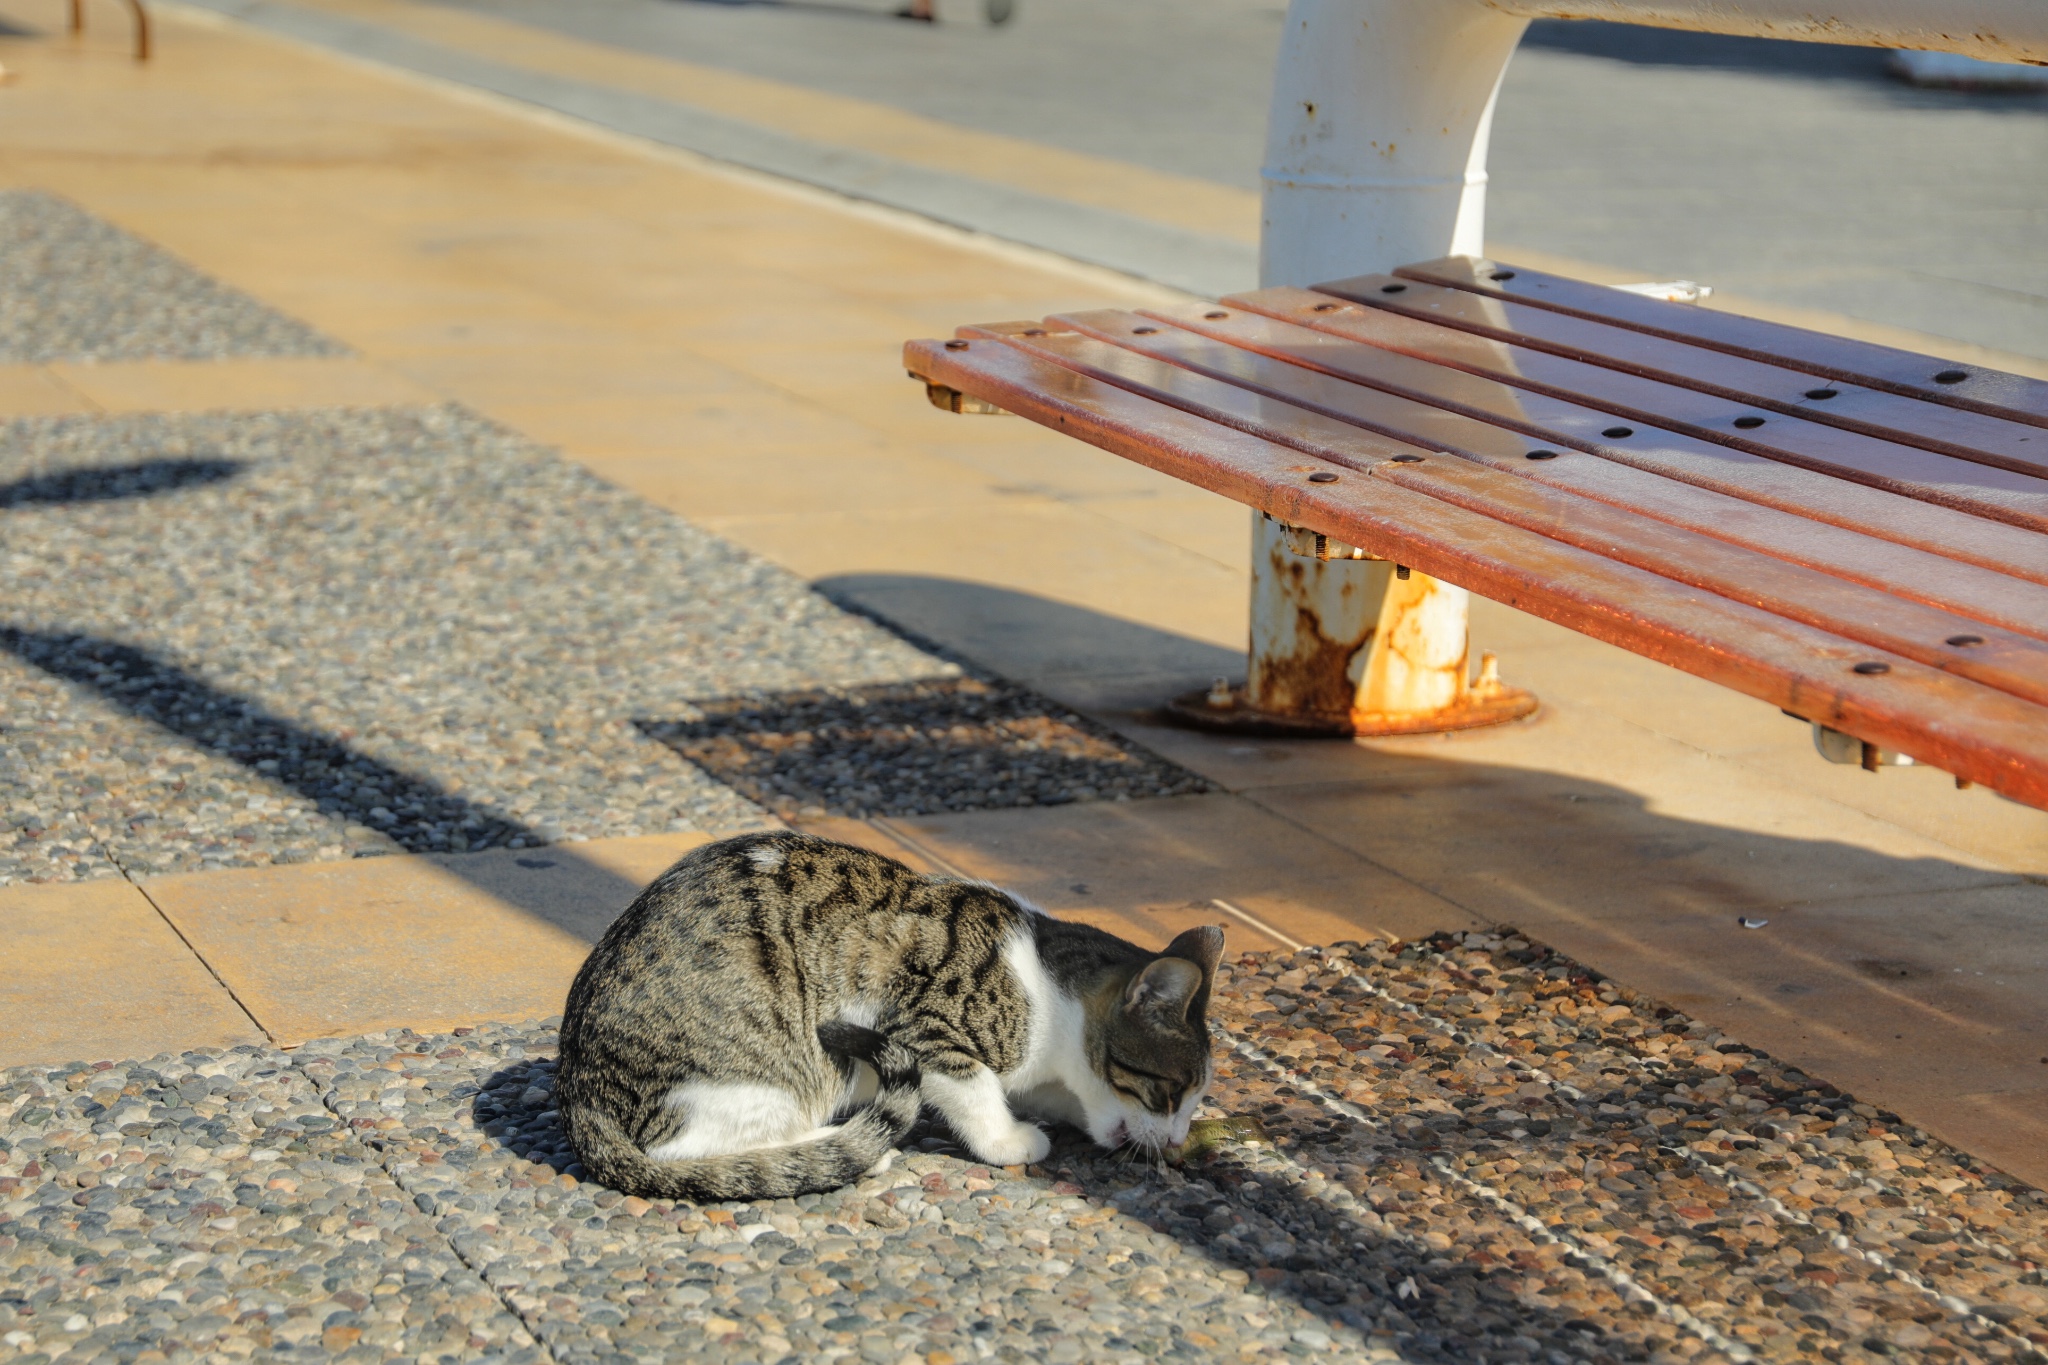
point(1461, 1149)
point(208, 1205)
point(236, 639)
point(917, 748)
point(75, 287)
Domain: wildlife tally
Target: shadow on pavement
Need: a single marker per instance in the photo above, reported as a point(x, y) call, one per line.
point(1644, 46)
point(1338, 1267)
point(109, 483)
point(345, 784)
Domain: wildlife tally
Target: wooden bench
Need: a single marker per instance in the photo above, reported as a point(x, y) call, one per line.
point(1856, 534)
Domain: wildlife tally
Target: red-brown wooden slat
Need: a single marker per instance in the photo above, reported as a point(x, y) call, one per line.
point(1899, 571)
point(1807, 394)
point(1924, 475)
point(1982, 389)
point(2010, 662)
point(1558, 423)
point(1954, 724)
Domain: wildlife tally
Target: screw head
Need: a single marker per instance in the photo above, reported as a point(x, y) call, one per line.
point(1871, 668)
point(1965, 641)
point(1748, 422)
point(956, 345)
point(1218, 313)
point(1951, 376)
point(1143, 331)
point(1322, 476)
point(1034, 331)
point(1541, 455)
point(1618, 433)
point(1821, 395)
point(1393, 289)
point(1328, 307)
point(1501, 275)
point(1407, 459)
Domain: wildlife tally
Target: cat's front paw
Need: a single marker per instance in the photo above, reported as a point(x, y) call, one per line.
point(1024, 1144)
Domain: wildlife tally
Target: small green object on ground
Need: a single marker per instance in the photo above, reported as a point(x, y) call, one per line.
point(1206, 1136)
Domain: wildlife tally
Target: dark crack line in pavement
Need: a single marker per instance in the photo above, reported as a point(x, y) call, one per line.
point(327, 1101)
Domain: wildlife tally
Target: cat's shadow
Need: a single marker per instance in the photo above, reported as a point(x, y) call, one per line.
point(515, 1110)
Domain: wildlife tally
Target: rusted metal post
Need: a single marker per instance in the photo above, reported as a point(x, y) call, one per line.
point(1375, 157)
point(141, 30)
point(135, 8)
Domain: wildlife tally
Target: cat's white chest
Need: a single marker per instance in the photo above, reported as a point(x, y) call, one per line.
point(1049, 1081)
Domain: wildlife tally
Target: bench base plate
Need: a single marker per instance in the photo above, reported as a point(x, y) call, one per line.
point(1204, 710)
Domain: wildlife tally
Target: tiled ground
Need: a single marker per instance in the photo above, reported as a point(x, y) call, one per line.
point(1459, 1150)
point(231, 639)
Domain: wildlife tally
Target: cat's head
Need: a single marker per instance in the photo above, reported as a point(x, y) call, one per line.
point(1152, 1045)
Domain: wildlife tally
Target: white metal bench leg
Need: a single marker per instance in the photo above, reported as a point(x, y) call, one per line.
point(1375, 156)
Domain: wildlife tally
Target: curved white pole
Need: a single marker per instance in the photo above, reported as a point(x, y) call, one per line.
point(1376, 143)
point(1375, 157)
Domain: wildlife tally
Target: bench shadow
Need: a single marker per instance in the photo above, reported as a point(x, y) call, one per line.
point(1850, 941)
point(1641, 45)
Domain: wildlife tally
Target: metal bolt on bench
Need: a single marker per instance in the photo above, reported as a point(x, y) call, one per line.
point(1856, 533)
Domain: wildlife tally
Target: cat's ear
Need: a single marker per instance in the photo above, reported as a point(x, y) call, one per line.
point(1202, 945)
point(1165, 989)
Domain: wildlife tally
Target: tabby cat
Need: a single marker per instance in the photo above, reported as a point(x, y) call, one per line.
point(768, 1017)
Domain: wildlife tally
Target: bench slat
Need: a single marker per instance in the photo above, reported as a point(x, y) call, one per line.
point(1897, 571)
point(1778, 388)
point(1986, 491)
point(1953, 723)
point(1859, 362)
point(2002, 659)
point(1559, 423)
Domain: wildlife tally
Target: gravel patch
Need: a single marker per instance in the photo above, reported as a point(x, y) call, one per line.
point(75, 287)
point(916, 749)
point(208, 1205)
point(1457, 1150)
point(237, 639)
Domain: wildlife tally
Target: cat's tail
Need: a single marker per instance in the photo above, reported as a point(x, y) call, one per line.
point(840, 1157)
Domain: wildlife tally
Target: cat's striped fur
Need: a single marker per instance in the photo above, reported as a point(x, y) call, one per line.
point(727, 1019)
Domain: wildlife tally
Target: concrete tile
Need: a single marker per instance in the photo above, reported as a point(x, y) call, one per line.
point(329, 949)
point(741, 478)
point(252, 385)
point(38, 391)
point(1065, 554)
point(680, 422)
point(1162, 864)
point(1907, 1000)
point(93, 973)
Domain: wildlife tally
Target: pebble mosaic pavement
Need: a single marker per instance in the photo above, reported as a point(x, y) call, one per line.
point(75, 287)
point(1473, 1149)
point(236, 639)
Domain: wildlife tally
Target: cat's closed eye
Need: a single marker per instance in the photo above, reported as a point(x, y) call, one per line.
point(1160, 1094)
